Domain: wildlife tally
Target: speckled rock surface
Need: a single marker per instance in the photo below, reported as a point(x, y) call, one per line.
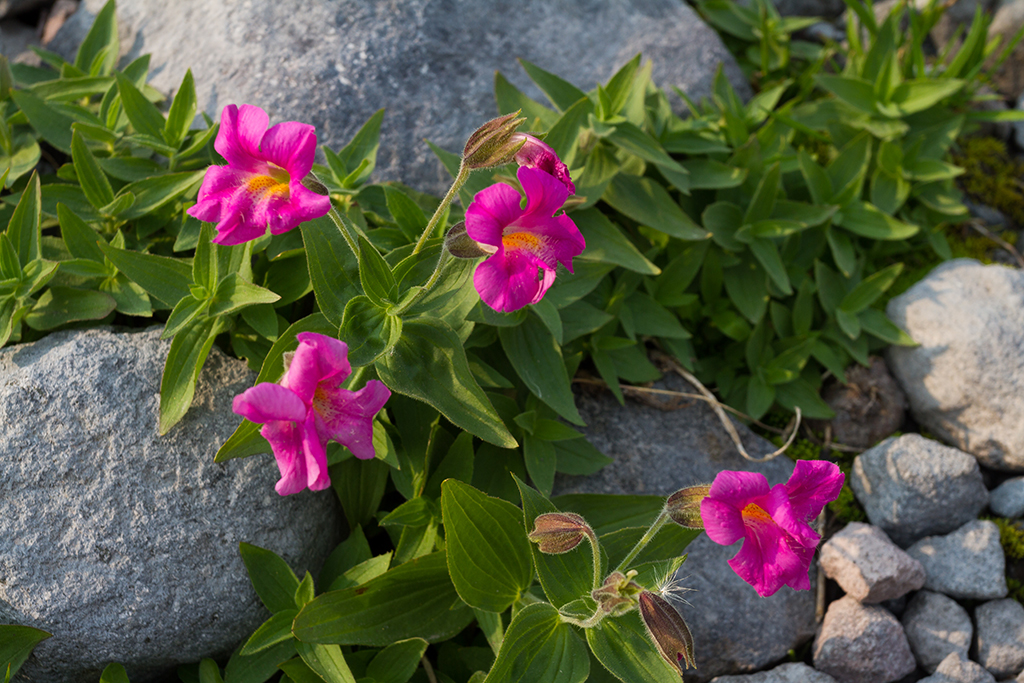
point(912, 487)
point(862, 644)
point(966, 387)
point(936, 626)
point(1007, 499)
point(868, 566)
point(868, 408)
point(793, 672)
point(121, 543)
point(333, 63)
point(958, 669)
point(1000, 637)
point(968, 563)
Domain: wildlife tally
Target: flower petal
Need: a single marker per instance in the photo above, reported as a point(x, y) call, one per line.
point(545, 194)
point(722, 522)
point(777, 505)
point(813, 485)
point(507, 281)
point(238, 140)
point(303, 205)
point(268, 402)
point(292, 146)
point(738, 489)
point(315, 455)
point(768, 560)
point(491, 211)
point(538, 154)
point(286, 441)
point(319, 358)
point(348, 416)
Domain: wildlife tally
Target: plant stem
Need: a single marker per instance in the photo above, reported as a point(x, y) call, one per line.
point(457, 184)
point(644, 540)
point(340, 222)
point(595, 549)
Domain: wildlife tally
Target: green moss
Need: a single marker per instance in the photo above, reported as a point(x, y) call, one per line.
point(846, 508)
point(1011, 537)
point(1016, 589)
point(991, 176)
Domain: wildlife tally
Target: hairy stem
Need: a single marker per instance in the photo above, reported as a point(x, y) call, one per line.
point(644, 540)
point(457, 184)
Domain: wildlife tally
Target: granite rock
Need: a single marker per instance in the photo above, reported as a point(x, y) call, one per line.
point(956, 668)
point(1007, 499)
point(333, 63)
point(936, 626)
point(793, 672)
point(966, 387)
point(1000, 637)
point(968, 563)
point(862, 644)
point(868, 566)
point(912, 487)
point(121, 543)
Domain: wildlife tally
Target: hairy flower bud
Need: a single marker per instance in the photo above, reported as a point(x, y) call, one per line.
point(559, 532)
point(461, 245)
point(667, 630)
point(683, 506)
point(615, 596)
point(312, 183)
point(492, 143)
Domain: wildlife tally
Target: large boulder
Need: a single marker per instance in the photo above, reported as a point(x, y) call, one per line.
point(334, 63)
point(964, 380)
point(122, 543)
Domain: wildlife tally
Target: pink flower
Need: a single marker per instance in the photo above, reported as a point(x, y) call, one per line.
point(261, 186)
point(540, 155)
point(779, 541)
point(308, 408)
point(528, 243)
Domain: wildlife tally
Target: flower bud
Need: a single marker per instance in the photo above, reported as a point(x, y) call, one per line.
point(537, 154)
point(667, 630)
point(312, 183)
point(558, 532)
point(615, 596)
point(683, 506)
point(461, 245)
point(492, 144)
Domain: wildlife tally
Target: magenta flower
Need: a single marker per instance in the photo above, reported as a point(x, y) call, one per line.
point(540, 155)
point(528, 243)
point(261, 186)
point(308, 408)
point(779, 541)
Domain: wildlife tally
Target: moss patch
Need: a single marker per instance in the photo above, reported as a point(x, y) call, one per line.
point(991, 176)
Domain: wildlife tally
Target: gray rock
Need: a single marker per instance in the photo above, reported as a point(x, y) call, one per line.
point(862, 644)
point(1009, 79)
point(912, 487)
point(829, 9)
point(1007, 499)
point(868, 566)
point(431, 64)
point(868, 408)
point(793, 672)
point(936, 626)
point(966, 387)
point(121, 543)
point(968, 563)
point(956, 668)
point(1000, 637)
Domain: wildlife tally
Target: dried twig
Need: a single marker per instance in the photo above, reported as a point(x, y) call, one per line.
point(428, 669)
point(819, 603)
point(977, 225)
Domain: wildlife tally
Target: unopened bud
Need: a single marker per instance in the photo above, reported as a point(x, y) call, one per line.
point(615, 596)
point(537, 154)
point(667, 630)
point(558, 532)
point(460, 245)
point(492, 144)
point(683, 506)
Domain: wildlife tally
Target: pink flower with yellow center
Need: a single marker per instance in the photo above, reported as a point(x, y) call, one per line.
point(774, 522)
point(308, 408)
point(538, 154)
point(261, 186)
point(527, 243)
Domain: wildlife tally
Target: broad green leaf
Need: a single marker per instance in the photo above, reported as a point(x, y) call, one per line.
point(670, 542)
point(185, 360)
point(866, 220)
point(634, 140)
point(870, 289)
point(62, 305)
point(414, 600)
point(831, 287)
point(918, 95)
point(847, 171)
point(768, 254)
point(723, 220)
point(538, 361)
point(52, 124)
point(359, 485)
point(563, 136)
point(653, 319)
point(510, 99)
point(144, 116)
point(16, 644)
point(856, 92)
point(624, 648)
point(375, 275)
point(409, 216)
point(747, 287)
point(800, 393)
point(760, 396)
point(488, 553)
point(91, 177)
point(349, 553)
point(848, 323)
point(259, 667)
point(541, 461)
point(940, 196)
point(708, 174)
point(101, 42)
point(368, 330)
point(333, 268)
point(153, 193)
point(561, 93)
point(417, 511)
point(272, 578)
point(875, 322)
point(24, 229)
point(397, 662)
point(23, 157)
point(728, 17)
point(607, 512)
point(274, 630)
point(359, 157)
point(457, 464)
point(182, 112)
point(648, 203)
point(843, 252)
point(765, 196)
point(327, 661)
point(167, 279)
point(234, 292)
point(364, 571)
point(538, 646)
point(115, 673)
point(428, 363)
point(817, 179)
point(606, 243)
point(577, 456)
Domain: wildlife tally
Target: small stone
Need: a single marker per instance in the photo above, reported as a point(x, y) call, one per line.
point(862, 644)
point(793, 672)
point(869, 566)
point(1007, 499)
point(912, 487)
point(956, 668)
point(968, 563)
point(868, 408)
point(1000, 637)
point(936, 626)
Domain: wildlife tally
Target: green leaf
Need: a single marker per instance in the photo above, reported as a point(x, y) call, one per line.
point(272, 578)
point(375, 275)
point(22, 157)
point(364, 571)
point(16, 644)
point(579, 457)
point(538, 646)
point(167, 279)
point(561, 93)
point(415, 599)
point(866, 220)
point(359, 157)
point(856, 92)
point(917, 95)
point(62, 305)
point(848, 170)
point(728, 17)
point(234, 292)
point(537, 359)
point(333, 268)
point(648, 203)
point(24, 228)
point(409, 216)
point(114, 673)
point(368, 330)
point(763, 202)
point(52, 124)
point(397, 662)
point(153, 193)
point(417, 511)
point(708, 174)
point(875, 322)
point(653, 319)
point(842, 249)
point(564, 577)
point(144, 116)
point(634, 140)
point(101, 42)
point(488, 553)
point(800, 393)
point(91, 177)
point(259, 667)
point(768, 254)
point(181, 113)
point(274, 630)
point(831, 287)
point(817, 179)
point(428, 363)
point(360, 486)
point(623, 647)
point(541, 461)
point(188, 353)
point(510, 99)
point(870, 289)
point(607, 244)
point(327, 661)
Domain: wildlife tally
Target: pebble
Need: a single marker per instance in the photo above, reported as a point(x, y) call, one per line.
point(868, 566)
point(862, 644)
point(936, 626)
point(968, 563)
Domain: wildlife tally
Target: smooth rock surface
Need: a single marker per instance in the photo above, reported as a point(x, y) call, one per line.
point(1000, 637)
point(793, 672)
point(868, 566)
point(1007, 499)
point(862, 644)
point(958, 669)
point(966, 386)
point(912, 487)
point(121, 543)
point(333, 63)
point(968, 563)
point(936, 626)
